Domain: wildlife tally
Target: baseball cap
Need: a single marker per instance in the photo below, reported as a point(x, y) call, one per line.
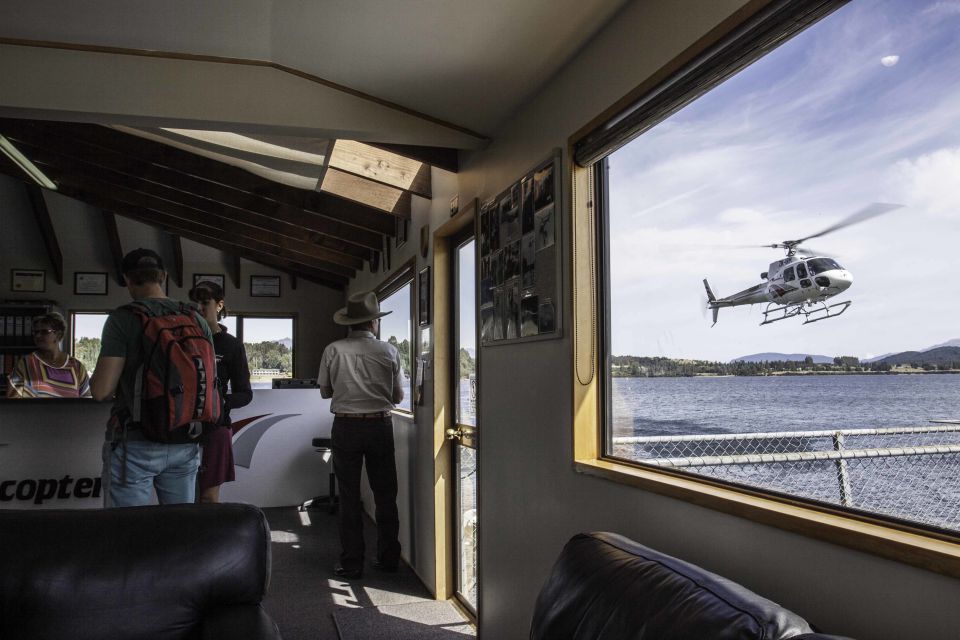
point(141, 259)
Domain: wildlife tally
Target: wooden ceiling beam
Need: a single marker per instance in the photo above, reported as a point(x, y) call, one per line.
point(113, 240)
point(118, 201)
point(71, 171)
point(177, 260)
point(120, 190)
point(234, 270)
point(162, 155)
point(226, 202)
point(382, 166)
point(45, 224)
point(441, 157)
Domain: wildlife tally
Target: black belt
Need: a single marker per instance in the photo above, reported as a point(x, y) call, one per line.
point(363, 416)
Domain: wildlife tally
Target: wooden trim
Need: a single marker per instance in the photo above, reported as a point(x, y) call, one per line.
point(192, 57)
point(47, 231)
point(916, 547)
point(444, 415)
point(444, 158)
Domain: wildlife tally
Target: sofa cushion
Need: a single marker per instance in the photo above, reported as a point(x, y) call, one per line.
point(607, 587)
point(139, 572)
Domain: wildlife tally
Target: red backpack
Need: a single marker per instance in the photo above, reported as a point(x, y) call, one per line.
point(175, 389)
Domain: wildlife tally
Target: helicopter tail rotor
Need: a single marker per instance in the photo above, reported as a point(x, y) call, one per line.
point(710, 300)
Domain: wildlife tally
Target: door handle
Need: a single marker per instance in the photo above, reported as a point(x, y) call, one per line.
point(455, 434)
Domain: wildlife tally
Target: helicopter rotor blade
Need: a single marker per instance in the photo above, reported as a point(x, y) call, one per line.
point(870, 211)
point(807, 251)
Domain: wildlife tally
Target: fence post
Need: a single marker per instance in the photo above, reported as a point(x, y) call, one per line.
point(846, 495)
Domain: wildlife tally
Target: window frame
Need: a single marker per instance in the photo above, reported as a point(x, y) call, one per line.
point(910, 543)
point(402, 276)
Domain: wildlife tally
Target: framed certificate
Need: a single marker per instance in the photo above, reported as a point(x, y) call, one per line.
point(90, 283)
point(34, 280)
point(264, 286)
point(216, 278)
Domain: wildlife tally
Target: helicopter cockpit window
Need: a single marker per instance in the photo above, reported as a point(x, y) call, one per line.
point(819, 265)
point(703, 359)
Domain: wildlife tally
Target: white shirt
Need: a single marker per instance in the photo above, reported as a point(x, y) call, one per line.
point(363, 374)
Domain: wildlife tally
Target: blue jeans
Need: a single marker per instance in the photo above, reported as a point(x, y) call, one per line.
point(171, 469)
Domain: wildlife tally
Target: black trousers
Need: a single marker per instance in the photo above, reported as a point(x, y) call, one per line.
point(355, 441)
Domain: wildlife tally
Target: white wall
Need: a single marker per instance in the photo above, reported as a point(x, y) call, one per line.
point(83, 242)
point(532, 501)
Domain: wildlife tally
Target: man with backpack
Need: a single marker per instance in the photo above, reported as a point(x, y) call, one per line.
point(158, 364)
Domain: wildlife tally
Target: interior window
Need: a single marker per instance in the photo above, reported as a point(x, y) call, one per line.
point(269, 343)
point(86, 327)
point(397, 329)
point(805, 143)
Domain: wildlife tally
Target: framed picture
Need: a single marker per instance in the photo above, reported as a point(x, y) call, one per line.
point(92, 283)
point(423, 296)
point(403, 231)
point(212, 277)
point(34, 280)
point(264, 286)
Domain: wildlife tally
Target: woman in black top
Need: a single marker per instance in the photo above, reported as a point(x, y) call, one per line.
point(216, 465)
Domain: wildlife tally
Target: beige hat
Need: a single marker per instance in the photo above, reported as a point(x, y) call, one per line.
point(361, 307)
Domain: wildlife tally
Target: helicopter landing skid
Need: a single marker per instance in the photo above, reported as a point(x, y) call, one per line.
point(821, 312)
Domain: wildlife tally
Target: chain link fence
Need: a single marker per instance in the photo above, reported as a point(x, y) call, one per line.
point(908, 473)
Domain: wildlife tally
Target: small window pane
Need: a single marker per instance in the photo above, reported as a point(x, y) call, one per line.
point(397, 329)
point(269, 346)
point(87, 330)
point(466, 365)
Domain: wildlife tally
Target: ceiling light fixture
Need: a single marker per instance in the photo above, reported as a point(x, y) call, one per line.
point(24, 163)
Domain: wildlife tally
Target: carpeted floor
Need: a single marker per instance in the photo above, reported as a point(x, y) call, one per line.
point(304, 594)
point(413, 621)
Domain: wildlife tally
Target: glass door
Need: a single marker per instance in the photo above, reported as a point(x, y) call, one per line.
point(465, 428)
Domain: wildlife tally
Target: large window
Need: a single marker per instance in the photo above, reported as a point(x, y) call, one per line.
point(397, 329)
point(773, 319)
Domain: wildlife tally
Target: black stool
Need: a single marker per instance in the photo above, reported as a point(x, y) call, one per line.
point(323, 446)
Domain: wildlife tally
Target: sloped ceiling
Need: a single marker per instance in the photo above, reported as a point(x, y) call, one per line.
point(464, 62)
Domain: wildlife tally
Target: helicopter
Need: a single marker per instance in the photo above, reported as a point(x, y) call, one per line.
point(802, 282)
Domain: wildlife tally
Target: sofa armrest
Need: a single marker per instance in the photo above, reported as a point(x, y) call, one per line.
point(239, 622)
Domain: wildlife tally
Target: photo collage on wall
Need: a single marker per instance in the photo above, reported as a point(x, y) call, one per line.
point(520, 259)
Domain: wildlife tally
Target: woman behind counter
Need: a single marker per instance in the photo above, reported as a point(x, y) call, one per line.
point(48, 372)
point(216, 464)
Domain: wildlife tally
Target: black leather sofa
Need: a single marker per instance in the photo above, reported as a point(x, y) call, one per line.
point(607, 587)
point(161, 573)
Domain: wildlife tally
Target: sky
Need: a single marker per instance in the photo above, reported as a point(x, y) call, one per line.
point(862, 107)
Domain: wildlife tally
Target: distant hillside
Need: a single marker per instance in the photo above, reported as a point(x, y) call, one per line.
point(939, 355)
point(287, 342)
point(783, 357)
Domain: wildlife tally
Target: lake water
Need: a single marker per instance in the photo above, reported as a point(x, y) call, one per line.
point(674, 406)
point(919, 488)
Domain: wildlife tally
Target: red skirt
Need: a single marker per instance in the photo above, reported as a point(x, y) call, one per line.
point(216, 463)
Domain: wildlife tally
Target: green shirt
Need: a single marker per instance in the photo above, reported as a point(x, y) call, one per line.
point(122, 338)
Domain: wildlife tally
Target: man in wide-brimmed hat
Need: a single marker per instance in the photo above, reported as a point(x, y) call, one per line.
point(364, 377)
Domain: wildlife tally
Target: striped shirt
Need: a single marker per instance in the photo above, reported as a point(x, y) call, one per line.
point(34, 378)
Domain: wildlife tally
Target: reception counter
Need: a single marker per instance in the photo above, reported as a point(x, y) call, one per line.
point(50, 451)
